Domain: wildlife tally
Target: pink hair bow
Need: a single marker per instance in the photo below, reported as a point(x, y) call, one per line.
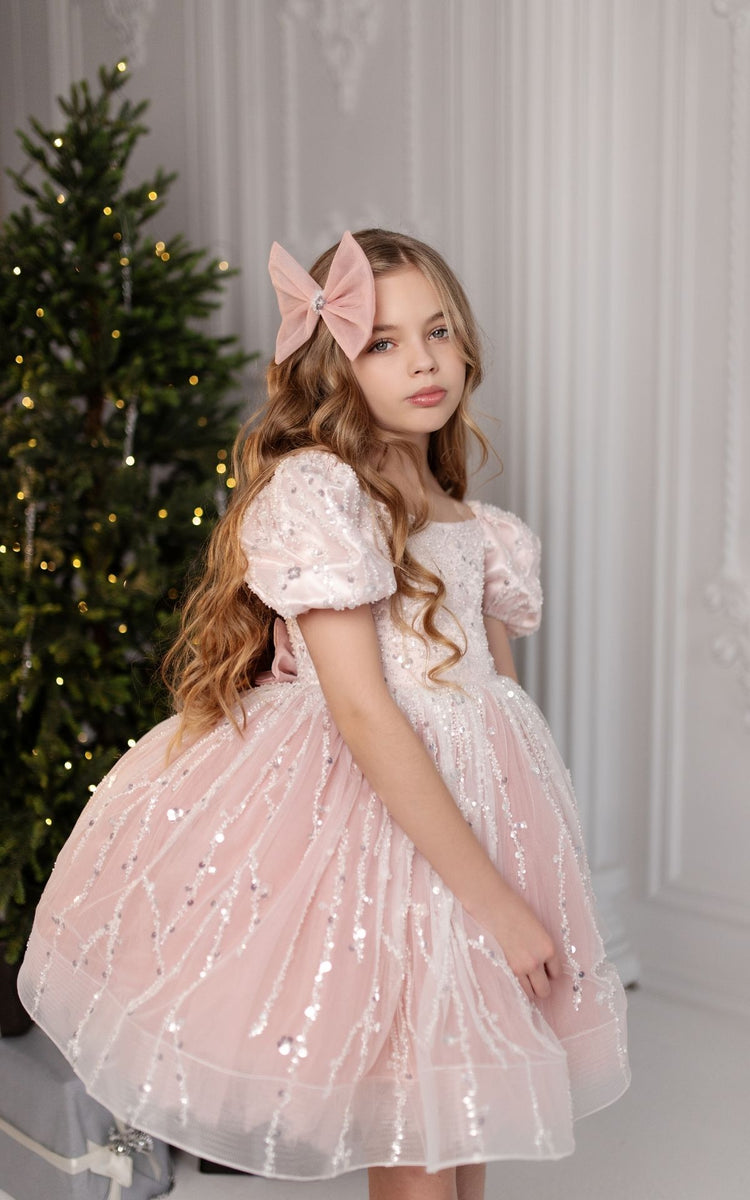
point(346, 303)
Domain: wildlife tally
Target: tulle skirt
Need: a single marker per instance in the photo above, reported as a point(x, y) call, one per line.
point(243, 954)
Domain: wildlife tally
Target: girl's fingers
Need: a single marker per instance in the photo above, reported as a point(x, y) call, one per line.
point(524, 982)
point(554, 967)
point(540, 983)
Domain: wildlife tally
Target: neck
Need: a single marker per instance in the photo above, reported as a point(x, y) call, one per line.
point(413, 479)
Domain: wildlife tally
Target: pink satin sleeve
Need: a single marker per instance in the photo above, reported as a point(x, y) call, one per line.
point(512, 588)
point(311, 539)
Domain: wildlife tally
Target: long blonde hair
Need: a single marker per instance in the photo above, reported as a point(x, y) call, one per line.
point(314, 400)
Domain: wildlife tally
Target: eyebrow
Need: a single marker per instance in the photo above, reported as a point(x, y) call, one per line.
point(438, 316)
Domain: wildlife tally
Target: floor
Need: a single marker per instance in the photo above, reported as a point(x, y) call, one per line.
point(682, 1131)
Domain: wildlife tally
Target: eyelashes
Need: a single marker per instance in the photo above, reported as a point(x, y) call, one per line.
point(440, 333)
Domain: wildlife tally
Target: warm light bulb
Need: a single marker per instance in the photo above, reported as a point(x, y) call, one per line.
point(20, 495)
point(60, 198)
point(59, 681)
point(27, 402)
point(83, 606)
point(115, 334)
point(231, 482)
point(122, 65)
point(119, 403)
point(40, 312)
point(223, 265)
point(58, 142)
point(153, 195)
point(48, 820)
point(221, 468)
point(112, 579)
point(162, 513)
point(198, 512)
point(193, 379)
point(112, 518)
point(32, 442)
point(107, 211)
point(164, 256)
point(76, 562)
point(159, 247)
point(19, 358)
point(129, 461)
point(124, 261)
point(122, 628)
point(16, 270)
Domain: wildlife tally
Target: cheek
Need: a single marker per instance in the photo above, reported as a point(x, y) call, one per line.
point(373, 381)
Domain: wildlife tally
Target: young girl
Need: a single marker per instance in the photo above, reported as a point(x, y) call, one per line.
point(336, 913)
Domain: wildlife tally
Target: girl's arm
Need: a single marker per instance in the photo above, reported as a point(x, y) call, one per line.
point(502, 655)
point(345, 652)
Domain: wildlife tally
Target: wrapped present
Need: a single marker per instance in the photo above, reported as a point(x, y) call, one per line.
point(56, 1141)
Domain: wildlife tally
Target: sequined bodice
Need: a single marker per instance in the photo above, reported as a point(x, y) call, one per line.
point(314, 540)
point(455, 551)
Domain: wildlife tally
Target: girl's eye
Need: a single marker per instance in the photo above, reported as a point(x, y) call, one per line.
point(440, 334)
point(381, 345)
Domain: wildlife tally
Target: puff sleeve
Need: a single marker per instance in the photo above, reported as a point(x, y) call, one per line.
point(512, 590)
point(312, 540)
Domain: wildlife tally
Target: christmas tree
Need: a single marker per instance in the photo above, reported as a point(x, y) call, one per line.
point(114, 425)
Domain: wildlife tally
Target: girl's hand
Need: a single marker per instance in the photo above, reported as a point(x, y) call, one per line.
point(527, 946)
point(398, 767)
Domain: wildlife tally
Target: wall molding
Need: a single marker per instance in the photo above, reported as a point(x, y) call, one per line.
point(694, 988)
point(691, 935)
point(702, 902)
point(727, 595)
point(65, 65)
point(346, 32)
point(131, 19)
point(611, 886)
point(674, 395)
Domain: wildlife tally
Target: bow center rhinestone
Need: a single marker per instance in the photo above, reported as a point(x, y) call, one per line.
point(318, 302)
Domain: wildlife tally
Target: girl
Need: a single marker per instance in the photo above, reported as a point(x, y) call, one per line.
point(336, 912)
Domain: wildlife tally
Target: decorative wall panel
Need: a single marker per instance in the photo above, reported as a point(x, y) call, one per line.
point(694, 921)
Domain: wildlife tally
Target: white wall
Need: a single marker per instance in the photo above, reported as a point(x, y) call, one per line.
point(584, 164)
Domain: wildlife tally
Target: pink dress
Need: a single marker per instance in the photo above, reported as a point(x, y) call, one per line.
point(243, 954)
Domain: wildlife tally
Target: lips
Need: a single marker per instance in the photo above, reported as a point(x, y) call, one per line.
point(427, 397)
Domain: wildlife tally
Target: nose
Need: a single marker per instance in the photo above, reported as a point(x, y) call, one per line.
point(422, 360)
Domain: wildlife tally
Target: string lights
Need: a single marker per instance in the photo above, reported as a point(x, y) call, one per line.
point(114, 439)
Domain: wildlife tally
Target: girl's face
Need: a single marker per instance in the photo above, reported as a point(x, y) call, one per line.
point(411, 374)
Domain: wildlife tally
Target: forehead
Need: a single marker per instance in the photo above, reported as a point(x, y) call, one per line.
point(402, 294)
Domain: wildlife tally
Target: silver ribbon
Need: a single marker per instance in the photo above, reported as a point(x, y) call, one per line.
point(112, 1161)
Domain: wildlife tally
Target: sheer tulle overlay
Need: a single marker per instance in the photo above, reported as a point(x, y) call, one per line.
point(243, 954)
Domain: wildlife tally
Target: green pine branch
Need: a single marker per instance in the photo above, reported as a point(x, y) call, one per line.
point(99, 320)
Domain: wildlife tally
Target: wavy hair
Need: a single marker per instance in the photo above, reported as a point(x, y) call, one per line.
point(314, 401)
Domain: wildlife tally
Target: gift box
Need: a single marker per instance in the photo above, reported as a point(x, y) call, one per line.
point(57, 1143)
